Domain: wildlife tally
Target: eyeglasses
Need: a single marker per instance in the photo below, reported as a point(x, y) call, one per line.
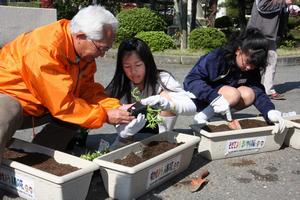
point(101, 48)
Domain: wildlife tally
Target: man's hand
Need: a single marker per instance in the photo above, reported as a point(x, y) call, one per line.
point(127, 130)
point(158, 101)
point(220, 105)
point(275, 117)
point(118, 116)
point(125, 106)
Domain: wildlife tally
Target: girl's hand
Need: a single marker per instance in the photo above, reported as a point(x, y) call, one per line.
point(157, 101)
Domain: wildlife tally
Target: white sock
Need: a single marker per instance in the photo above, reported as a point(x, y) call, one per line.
point(207, 113)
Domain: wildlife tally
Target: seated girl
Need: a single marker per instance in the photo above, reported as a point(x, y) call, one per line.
point(136, 68)
point(230, 77)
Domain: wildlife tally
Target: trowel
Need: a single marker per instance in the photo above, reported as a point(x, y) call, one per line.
point(232, 123)
point(196, 183)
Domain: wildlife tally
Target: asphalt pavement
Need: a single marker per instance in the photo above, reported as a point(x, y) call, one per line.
point(268, 176)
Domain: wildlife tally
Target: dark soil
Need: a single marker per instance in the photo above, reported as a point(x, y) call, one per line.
point(245, 123)
point(296, 120)
point(39, 161)
point(153, 149)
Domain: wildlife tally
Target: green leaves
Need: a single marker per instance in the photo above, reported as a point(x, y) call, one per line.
point(206, 38)
point(152, 114)
point(136, 94)
point(152, 117)
point(136, 20)
point(92, 155)
point(156, 40)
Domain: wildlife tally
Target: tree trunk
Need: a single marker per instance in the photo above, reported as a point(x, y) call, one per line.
point(183, 22)
point(241, 14)
point(213, 8)
point(194, 12)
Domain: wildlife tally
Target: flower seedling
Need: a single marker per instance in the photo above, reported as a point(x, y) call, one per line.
point(92, 155)
point(152, 114)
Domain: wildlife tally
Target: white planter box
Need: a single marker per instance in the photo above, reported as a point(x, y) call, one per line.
point(292, 138)
point(122, 182)
point(32, 183)
point(217, 145)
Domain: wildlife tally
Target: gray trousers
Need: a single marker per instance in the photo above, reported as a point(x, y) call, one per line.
point(269, 74)
point(55, 134)
point(10, 119)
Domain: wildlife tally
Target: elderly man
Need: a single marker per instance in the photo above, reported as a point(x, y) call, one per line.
point(48, 75)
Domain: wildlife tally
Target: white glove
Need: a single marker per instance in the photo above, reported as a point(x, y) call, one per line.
point(220, 105)
point(294, 9)
point(275, 117)
point(127, 130)
point(181, 103)
point(158, 101)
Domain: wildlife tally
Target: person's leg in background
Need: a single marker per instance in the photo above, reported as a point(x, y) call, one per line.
point(11, 115)
point(269, 76)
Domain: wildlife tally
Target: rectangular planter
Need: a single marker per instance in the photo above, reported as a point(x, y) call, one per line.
point(32, 183)
point(122, 182)
point(292, 138)
point(233, 143)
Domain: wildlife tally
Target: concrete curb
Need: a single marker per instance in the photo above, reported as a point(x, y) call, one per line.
point(191, 60)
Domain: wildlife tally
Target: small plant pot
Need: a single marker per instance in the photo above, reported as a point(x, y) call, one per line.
point(137, 108)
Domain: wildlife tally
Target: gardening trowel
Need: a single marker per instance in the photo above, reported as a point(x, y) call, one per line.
point(233, 123)
point(196, 183)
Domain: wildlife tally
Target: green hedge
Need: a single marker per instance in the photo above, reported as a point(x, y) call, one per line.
point(206, 38)
point(136, 20)
point(157, 40)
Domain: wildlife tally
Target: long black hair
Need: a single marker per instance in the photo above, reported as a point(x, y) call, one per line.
point(252, 43)
point(120, 84)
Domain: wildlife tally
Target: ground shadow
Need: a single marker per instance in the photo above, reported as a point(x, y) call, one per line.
point(7, 195)
point(93, 140)
point(287, 86)
point(244, 115)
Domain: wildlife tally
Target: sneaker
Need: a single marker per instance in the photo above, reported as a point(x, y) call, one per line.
point(277, 96)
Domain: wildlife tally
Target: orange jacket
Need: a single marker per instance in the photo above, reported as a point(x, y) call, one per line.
point(40, 69)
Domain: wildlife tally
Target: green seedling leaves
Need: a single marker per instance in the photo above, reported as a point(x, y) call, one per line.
point(152, 115)
point(92, 155)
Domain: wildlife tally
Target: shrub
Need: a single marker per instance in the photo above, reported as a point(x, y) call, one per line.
point(206, 38)
point(157, 40)
point(293, 22)
point(288, 44)
point(136, 20)
point(223, 22)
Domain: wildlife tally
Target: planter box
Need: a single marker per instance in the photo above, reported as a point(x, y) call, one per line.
point(217, 145)
point(292, 138)
point(32, 183)
point(122, 182)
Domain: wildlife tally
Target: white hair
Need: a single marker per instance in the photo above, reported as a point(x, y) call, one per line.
point(90, 20)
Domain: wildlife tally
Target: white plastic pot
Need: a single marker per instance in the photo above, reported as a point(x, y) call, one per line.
point(32, 183)
point(224, 144)
point(122, 182)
